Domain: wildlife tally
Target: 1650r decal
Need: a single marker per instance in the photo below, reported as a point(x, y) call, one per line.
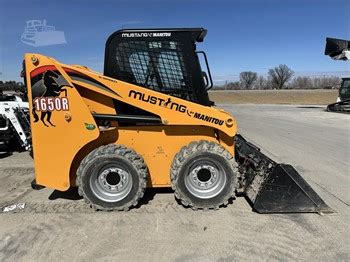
point(47, 88)
point(44, 104)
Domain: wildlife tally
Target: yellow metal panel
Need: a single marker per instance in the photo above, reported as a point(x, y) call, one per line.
point(59, 149)
point(158, 146)
point(55, 147)
point(177, 112)
point(96, 102)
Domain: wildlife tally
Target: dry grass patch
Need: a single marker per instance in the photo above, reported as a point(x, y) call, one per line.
point(314, 97)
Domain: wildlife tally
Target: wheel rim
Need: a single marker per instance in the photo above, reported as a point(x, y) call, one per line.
point(205, 179)
point(111, 183)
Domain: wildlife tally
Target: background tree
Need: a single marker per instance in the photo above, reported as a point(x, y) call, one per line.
point(326, 82)
point(261, 83)
point(11, 86)
point(233, 86)
point(301, 82)
point(248, 79)
point(280, 75)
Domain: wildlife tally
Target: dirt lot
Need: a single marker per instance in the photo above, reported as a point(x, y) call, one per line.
point(301, 97)
point(56, 226)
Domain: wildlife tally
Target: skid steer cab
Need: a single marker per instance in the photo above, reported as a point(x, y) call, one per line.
point(148, 122)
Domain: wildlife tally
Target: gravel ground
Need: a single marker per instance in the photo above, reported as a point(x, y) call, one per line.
point(59, 226)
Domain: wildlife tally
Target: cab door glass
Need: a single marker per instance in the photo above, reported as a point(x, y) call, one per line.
point(345, 88)
point(170, 71)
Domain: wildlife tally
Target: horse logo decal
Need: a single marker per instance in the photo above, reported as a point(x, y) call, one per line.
point(47, 97)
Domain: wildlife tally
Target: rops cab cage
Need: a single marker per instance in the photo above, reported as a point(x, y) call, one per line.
point(164, 60)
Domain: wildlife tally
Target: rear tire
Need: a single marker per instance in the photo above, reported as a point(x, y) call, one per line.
point(112, 177)
point(204, 175)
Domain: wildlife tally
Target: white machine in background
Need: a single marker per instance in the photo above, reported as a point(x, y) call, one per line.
point(5, 134)
point(14, 123)
point(339, 49)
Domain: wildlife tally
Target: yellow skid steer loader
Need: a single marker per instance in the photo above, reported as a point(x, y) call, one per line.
point(148, 122)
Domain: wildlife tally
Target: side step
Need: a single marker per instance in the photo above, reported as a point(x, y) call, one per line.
point(272, 187)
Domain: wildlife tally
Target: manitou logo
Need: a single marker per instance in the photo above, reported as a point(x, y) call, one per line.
point(208, 119)
point(156, 34)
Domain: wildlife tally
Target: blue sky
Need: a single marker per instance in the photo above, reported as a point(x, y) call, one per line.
point(242, 35)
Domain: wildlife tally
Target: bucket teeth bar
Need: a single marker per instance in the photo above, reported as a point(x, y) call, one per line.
point(273, 187)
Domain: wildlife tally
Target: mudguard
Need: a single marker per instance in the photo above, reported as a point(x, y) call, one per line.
point(273, 187)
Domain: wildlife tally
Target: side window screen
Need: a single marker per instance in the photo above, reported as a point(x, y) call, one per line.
point(138, 63)
point(170, 71)
point(157, 65)
point(345, 89)
point(346, 84)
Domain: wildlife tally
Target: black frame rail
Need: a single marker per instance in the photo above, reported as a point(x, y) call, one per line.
point(128, 118)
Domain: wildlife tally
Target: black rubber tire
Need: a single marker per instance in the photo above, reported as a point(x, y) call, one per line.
point(217, 154)
point(109, 154)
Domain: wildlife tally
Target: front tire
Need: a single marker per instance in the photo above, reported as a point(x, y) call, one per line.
point(112, 177)
point(204, 175)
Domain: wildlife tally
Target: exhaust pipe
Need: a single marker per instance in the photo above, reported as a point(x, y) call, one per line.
point(273, 187)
